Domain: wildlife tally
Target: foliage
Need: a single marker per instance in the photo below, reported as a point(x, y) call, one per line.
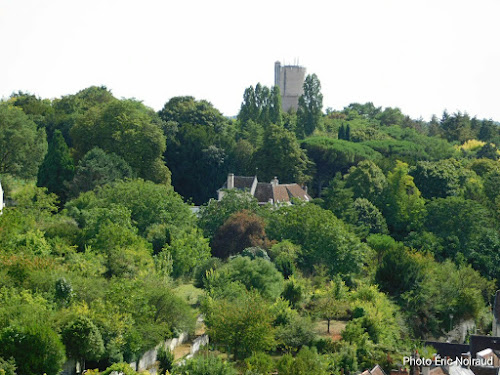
point(332, 155)
point(439, 179)
point(259, 363)
point(98, 168)
point(323, 238)
point(307, 361)
point(123, 368)
point(83, 339)
point(128, 129)
point(309, 112)
point(166, 360)
point(242, 326)
point(258, 274)
point(187, 251)
point(367, 181)
point(295, 334)
point(261, 105)
point(214, 213)
point(57, 169)
point(281, 156)
point(197, 147)
point(404, 207)
point(148, 203)
point(22, 145)
point(240, 231)
point(369, 219)
point(332, 302)
point(36, 349)
point(210, 365)
point(7, 367)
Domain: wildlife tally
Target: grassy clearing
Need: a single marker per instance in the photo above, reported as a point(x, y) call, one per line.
point(336, 328)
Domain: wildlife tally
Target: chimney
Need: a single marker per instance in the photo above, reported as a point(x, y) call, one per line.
point(230, 181)
point(275, 181)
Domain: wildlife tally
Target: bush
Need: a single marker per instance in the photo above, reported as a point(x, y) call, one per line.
point(166, 359)
point(205, 366)
point(123, 368)
point(36, 349)
point(259, 363)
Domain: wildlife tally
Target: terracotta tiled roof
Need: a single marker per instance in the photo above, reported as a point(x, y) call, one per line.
point(269, 191)
point(280, 194)
point(295, 191)
point(377, 370)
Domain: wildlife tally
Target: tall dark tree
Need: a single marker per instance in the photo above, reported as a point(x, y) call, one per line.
point(281, 156)
point(57, 168)
point(275, 115)
point(249, 109)
point(348, 133)
point(310, 105)
point(197, 147)
point(96, 169)
point(341, 134)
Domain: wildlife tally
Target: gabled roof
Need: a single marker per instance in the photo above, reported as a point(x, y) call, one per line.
point(241, 182)
point(266, 192)
point(377, 370)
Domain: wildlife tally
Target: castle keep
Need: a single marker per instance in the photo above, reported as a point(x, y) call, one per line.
point(290, 80)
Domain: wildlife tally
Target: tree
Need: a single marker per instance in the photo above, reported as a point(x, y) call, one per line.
point(310, 105)
point(98, 168)
point(324, 239)
point(254, 274)
point(341, 133)
point(22, 145)
point(198, 146)
point(215, 213)
point(242, 326)
point(166, 360)
point(240, 231)
point(187, 250)
point(128, 129)
point(369, 219)
point(281, 156)
point(367, 181)
point(204, 366)
point(332, 155)
point(440, 179)
point(57, 169)
point(83, 340)
point(332, 302)
point(404, 207)
point(36, 349)
point(149, 204)
point(275, 115)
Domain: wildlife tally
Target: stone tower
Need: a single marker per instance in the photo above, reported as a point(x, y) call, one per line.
point(290, 80)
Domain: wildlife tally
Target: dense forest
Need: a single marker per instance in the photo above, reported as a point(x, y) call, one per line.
point(102, 257)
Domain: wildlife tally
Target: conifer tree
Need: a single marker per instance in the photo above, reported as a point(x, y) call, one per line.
point(341, 132)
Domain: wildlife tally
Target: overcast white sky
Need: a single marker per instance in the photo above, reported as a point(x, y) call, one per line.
point(421, 56)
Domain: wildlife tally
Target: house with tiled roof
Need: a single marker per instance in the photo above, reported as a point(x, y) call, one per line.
point(265, 192)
